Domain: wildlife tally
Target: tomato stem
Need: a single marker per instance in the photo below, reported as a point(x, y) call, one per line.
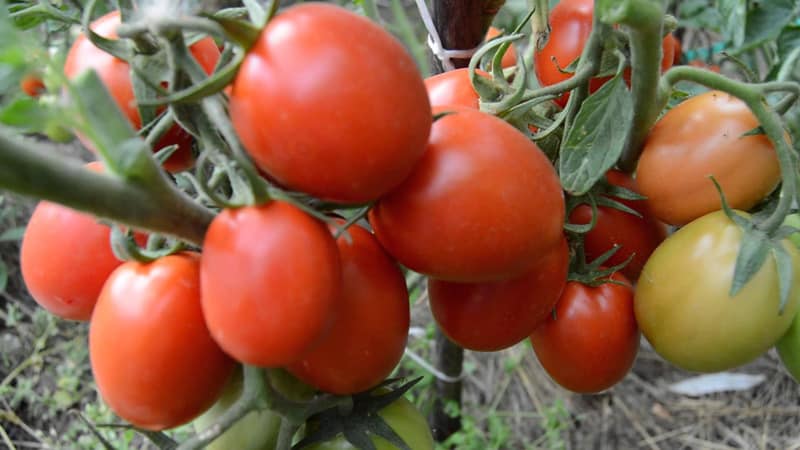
point(540, 25)
point(154, 204)
point(644, 19)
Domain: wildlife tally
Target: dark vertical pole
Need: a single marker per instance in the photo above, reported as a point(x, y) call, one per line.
point(461, 25)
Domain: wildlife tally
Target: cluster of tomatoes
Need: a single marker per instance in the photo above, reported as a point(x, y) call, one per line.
point(329, 104)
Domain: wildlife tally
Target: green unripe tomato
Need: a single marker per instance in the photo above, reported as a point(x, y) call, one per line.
point(258, 430)
point(404, 419)
point(789, 345)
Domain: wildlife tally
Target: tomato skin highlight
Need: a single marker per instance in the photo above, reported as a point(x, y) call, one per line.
point(403, 418)
point(637, 236)
point(152, 356)
point(591, 341)
point(482, 203)
point(115, 75)
point(493, 316)
point(700, 137)
point(571, 25)
point(368, 337)
point(271, 282)
point(683, 305)
point(354, 115)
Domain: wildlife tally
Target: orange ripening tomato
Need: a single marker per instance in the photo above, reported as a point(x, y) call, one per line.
point(368, 336)
point(637, 236)
point(152, 356)
point(32, 85)
point(700, 137)
point(510, 56)
point(590, 341)
point(493, 316)
point(115, 75)
point(272, 283)
point(66, 257)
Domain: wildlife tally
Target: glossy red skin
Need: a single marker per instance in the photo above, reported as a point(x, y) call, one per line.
point(32, 85)
point(152, 356)
point(591, 342)
point(331, 104)
point(452, 88)
point(66, 257)
point(571, 24)
point(637, 236)
point(115, 74)
point(368, 337)
point(702, 136)
point(272, 282)
point(493, 316)
point(482, 203)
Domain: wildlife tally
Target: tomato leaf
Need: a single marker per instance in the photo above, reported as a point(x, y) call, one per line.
point(12, 235)
point(752, 254)
point(765, 21)
point(161, 440)
point(594, 142)
point(3, 276)
point(785, 267)
point(734, 20)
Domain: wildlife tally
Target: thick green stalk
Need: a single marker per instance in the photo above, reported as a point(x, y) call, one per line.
point(34, 170)
point(644, 22)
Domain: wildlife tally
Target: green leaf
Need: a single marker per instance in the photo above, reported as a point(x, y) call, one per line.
point(3, 276)
point(733, 19)
point(785, 267)
point(766, 20)
point(752, 254)
point(788, 40)
point(25, 112)
point(594, 143)
point(12, 235)
point(160, 439)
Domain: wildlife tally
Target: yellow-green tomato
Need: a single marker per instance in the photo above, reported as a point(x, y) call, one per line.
point(683, 305)
point(258, 430)
point(404, 419)
point(789, 345)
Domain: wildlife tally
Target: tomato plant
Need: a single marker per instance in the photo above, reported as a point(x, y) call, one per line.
point(705, 135)
point(66, 258)
point(571, 23)
point(482, 203)
point(368, 335)
point(510, 55)
point(403, 418)
point(590, 341)
point(152, 356)
point(683, 304)
point(496, 315)
point(271, 282)
point(115, 74)
point(353, 117)
point(635, 236)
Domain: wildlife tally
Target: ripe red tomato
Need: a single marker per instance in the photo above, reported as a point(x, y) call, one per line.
point(152, 356)
point(115, 74)
point(483, 203)
point(32, 85)
point(272, 282)
point(591, 341)
point(571, 23)
point(510, 56)
point(66, 257)
point(331, 104)
point(637, 236)
point(700, 137)
point(452, 88)
point(369, 334)
point(677, 48)
point(492, 316)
